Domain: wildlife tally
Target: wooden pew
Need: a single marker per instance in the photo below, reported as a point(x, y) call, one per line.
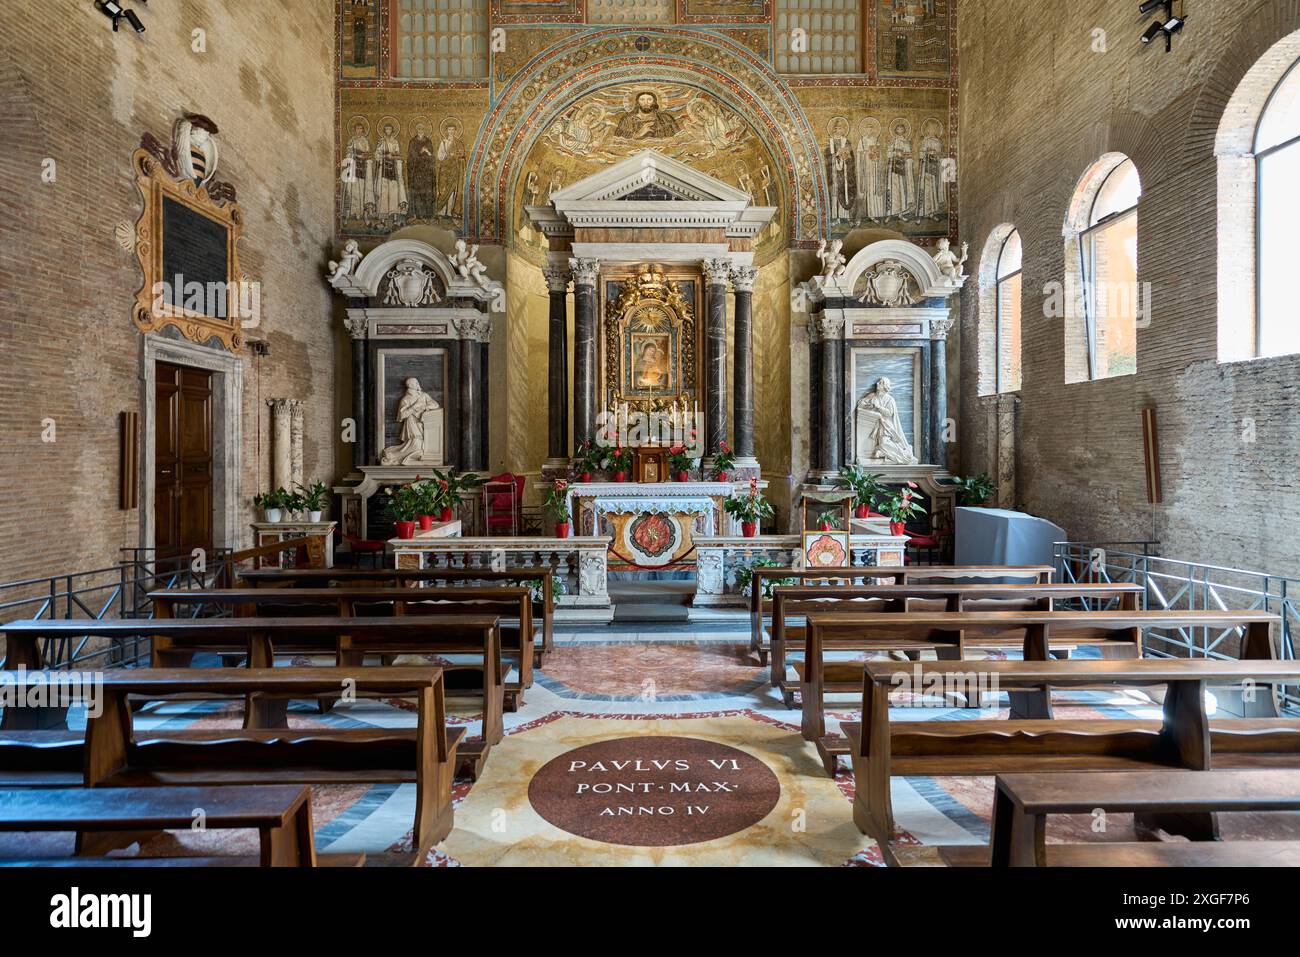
point(1022, 803)
point(175, 641)
point(112, 754)
point(760, 607)
point(1184, 739)
point(791, 601)
point(954, 632)
point(281, 815)
point(510, 604)
point(409, 577)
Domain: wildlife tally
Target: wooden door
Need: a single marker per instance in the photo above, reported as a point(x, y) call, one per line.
point(182, 460)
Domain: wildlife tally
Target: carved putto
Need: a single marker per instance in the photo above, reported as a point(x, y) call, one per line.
point(888, 284)
point(465, 260)
point(832, 258)
point(347, 262)
point(410, 283)
point(952, 268)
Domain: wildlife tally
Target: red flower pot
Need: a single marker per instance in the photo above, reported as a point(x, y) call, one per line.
point(584, 477)
point(749, 529)
point(445, 515)
point(426, 522)
point(722, 476)
point(620, 476)
point(825, 527)
point(405, 529)
point(897, 528)
point(683, 476)
point(561, 529)
point(862, 511)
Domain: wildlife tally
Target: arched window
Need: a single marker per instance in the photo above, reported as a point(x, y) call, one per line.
point(1277, 159)
point(1101, 264)
point(1007, 314)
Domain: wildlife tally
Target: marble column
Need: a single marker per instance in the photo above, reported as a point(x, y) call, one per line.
point(939, 392)
point(717, 273)
point(557, 391)
point(473, 331)
point(830, 332)
point(357, 326)
point(585, 273)
point(295, 439)
point(742, 280)
point(281, 442)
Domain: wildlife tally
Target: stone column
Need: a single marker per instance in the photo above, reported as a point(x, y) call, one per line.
point(585, 273)
point(557, 430)
point(939, 329)
point(295, 439)
point(473, 331)
point(830, 332)
point(281, 442)
point(742, 279)
point(357, 326)
point(717, 272)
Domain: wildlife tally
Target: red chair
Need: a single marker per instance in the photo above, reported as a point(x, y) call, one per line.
point(932, 544)
point(366, 546)
point(503, 496)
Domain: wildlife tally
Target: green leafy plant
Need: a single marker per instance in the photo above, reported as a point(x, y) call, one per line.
point(750, 507)
point(620, 460)
point(313, 496)
point(975, 490)
point(557, 501)
point(558, 587)
point(266, 500)
point(901, 505)
point(866, 486)
point(403, 503)
point(724, 459)
point(679, 460)
point(829, 519)
point(590, 458)
point(745, 577)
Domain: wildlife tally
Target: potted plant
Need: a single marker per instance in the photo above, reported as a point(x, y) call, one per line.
point(680, 463)
point(589, 459)
point(271, 504)
point(724, 460)
point(403, 508)
point(557, 503)
point(619, 462)
point(313, 499)
point(449, 488)
point(828, 521)
point(976, 491)
point(745, 577)
point(900, 506)
point(426, 501)
point(866, 487)
point(750, 508)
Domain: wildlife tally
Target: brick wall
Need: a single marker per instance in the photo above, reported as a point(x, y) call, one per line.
point(1040, 104)
point(73, 91)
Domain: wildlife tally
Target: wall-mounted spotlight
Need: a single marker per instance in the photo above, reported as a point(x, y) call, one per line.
point(115, 12)
point(1171, 25)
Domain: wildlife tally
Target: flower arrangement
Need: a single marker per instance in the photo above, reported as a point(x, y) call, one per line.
point(403, 502)
point(724, 460)
point(750, 509)
point(590, 458)
point(620, 463)
point(975, 491)
point(558, 587)
point(900, 506)
point(680, 461)
point(867, 490)
point(557, 504)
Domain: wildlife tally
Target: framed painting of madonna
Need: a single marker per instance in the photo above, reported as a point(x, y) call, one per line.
point(649, 348)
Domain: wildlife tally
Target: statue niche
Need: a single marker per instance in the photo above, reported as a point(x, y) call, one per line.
point(878, 430)
point(420, 416)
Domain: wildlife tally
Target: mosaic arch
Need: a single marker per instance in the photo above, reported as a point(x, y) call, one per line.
point(551, 84)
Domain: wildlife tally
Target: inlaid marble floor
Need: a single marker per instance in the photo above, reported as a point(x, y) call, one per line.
point(604, 683)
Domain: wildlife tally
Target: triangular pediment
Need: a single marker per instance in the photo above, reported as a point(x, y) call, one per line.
point(649, 176)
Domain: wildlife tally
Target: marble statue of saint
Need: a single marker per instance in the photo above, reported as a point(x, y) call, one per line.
point(879, 431)
point(421, 418)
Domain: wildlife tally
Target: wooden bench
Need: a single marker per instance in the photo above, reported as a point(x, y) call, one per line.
point(1185, 738)
point(539, 578)
point(760, 605)
point(174, 642)
point(952, 633)
point(795, 601)
point(513, 605)
point(1022, 803)
point(281, 815)
point(112, 754)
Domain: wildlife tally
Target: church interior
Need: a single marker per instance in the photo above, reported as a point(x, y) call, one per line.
point(571, 433)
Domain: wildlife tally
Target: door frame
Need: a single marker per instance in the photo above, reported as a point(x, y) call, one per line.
point(227, 432)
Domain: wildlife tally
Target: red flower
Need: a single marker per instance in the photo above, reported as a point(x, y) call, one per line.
point(561, 485)
point(912, 485)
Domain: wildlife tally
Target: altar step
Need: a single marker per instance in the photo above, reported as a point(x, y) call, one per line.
point(650, 600)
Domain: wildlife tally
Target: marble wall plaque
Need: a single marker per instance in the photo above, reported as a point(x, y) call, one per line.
point(902, 369)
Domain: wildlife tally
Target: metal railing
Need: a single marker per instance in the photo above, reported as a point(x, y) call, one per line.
point(1171, 584)
point(117, 591)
